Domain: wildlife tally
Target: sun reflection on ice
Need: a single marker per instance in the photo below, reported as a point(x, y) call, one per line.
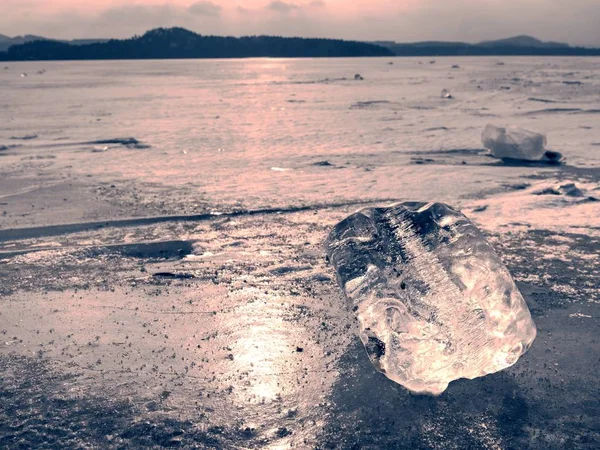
point(262, 346)
point(260, 354)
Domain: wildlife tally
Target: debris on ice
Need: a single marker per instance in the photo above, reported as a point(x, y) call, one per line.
point(566, 189)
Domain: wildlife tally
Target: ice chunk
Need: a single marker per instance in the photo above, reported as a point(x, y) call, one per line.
point(568, 189)
point(434, 302)
point(446, 94)
point(514, 143)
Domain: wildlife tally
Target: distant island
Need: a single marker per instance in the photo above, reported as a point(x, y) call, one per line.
point(514, 46)
point(179, 43)
point(172, 43)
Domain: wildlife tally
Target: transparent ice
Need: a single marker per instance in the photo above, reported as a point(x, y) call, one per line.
point(433, 301)
point(446, 94)
point(514, 143)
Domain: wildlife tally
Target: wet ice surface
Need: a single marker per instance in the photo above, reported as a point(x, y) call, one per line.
point(433, 301)
point(178, 294)
point(256, 347)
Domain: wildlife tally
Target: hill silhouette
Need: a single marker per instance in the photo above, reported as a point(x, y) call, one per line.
point(6, 41)
point(514, 46)
point(522, 41)
point(169, 43)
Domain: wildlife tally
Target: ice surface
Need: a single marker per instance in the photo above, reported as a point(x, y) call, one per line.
point(433, 300)
point(514, 143)
point(260, 129)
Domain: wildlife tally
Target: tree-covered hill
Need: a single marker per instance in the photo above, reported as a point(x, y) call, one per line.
point(168, 43)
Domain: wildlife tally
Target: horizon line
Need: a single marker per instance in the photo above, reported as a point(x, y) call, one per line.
point(374, 41)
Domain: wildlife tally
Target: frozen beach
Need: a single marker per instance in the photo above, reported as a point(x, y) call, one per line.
point(163, 280)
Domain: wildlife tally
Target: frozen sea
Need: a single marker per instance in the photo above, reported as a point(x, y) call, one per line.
point(249, 132)
point(162, 275)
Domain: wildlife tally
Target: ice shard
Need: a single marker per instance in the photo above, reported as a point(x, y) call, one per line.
point(434, 302)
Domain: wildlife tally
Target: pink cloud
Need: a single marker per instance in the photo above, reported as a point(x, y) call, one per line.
point(402, 20)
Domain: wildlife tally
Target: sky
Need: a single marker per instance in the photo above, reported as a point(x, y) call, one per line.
point(575, 21)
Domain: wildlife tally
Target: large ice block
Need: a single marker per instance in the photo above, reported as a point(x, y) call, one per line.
point(514, 143)
point(433, 301)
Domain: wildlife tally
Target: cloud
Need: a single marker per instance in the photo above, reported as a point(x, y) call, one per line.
point(575, 22)
point(138, 17)
point(205, 8)
point(282, 7)
point(123, 21)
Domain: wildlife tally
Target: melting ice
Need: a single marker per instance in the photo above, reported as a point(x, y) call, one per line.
point(514, 143)
point(433, 300)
